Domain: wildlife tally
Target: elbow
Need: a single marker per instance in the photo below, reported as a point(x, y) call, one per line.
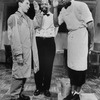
point(56, 24)
point(91, 27)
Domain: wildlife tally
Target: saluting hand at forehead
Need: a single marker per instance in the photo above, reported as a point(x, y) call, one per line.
point(55, 3)
point(36, 6)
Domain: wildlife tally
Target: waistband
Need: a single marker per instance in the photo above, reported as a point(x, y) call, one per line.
point(45, 37)
point(71, 30)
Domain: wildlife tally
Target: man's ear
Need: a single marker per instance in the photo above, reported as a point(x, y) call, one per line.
point(19, 3)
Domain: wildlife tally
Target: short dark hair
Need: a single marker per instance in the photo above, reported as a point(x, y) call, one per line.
point(49, 2)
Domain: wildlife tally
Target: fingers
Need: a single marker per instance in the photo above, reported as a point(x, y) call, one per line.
point(34, 2)
point(20, 62)
point(36, 6)
point(91, 47)
point(55, 3)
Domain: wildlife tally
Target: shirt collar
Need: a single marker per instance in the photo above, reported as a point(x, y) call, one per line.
point(20, 13)
point(49, 13)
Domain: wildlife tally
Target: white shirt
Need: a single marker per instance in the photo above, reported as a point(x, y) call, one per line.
point(77, 10)
point(48, 29)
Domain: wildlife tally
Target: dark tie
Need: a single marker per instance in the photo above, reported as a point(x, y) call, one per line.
point(46, 14)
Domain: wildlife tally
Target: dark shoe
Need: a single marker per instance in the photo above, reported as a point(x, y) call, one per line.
point(47, 93)
point(23, 97)
point(69, 97)
point(76, 97)
point(37, 92)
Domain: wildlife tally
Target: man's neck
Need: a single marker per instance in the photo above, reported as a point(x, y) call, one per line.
point(20, 10)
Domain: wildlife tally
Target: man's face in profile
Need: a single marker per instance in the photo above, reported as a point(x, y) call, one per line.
point(25, 5)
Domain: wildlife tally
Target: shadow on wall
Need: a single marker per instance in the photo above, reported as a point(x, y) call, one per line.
point(5, 40)
point(61, 42)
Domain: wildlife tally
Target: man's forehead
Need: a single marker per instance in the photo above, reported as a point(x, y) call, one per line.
point(27, 1)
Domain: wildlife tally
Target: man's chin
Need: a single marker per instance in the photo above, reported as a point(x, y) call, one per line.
point(26, 11)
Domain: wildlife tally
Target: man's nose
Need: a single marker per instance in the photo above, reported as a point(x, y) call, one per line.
point(28, 6)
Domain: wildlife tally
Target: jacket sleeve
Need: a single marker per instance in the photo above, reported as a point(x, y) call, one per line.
point(37, 21)
point(13, 30)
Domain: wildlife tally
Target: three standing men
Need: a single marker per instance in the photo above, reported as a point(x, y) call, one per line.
point(79, 22)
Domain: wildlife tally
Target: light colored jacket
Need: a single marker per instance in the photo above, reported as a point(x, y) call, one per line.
point(21, 35)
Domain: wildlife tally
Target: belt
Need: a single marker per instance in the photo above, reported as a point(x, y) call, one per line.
point(45, 37)
point(76, 29)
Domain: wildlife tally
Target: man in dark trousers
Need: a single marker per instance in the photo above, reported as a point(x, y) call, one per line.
point(46, 50)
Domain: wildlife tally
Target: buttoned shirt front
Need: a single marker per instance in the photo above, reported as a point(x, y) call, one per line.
point(48, 29)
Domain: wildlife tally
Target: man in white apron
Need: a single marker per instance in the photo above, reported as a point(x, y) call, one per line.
point(79, 22)
point(20, 33)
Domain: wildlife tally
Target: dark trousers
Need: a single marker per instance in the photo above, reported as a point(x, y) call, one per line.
point(77, 78)
point(17, 86)
point(46, 52)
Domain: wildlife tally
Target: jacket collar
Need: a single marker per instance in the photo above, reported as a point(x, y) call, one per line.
point(20, 13)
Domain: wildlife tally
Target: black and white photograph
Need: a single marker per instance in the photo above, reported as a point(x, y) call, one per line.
point(49, 49)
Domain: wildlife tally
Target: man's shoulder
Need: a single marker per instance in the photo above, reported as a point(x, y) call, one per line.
point(80, 3)
point(11, 20)
point(62, 10)
point(11, 17)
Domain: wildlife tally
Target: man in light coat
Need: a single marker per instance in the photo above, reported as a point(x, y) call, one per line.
point(20, 33)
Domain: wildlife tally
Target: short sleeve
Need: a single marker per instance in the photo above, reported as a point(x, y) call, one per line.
point(86, 13)
point(60, 17)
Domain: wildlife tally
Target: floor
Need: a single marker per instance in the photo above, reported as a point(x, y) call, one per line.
point(58, 90)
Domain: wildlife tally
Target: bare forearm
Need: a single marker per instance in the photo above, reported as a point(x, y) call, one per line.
point(38, 19)
point(91, 31)
point(55, 17)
